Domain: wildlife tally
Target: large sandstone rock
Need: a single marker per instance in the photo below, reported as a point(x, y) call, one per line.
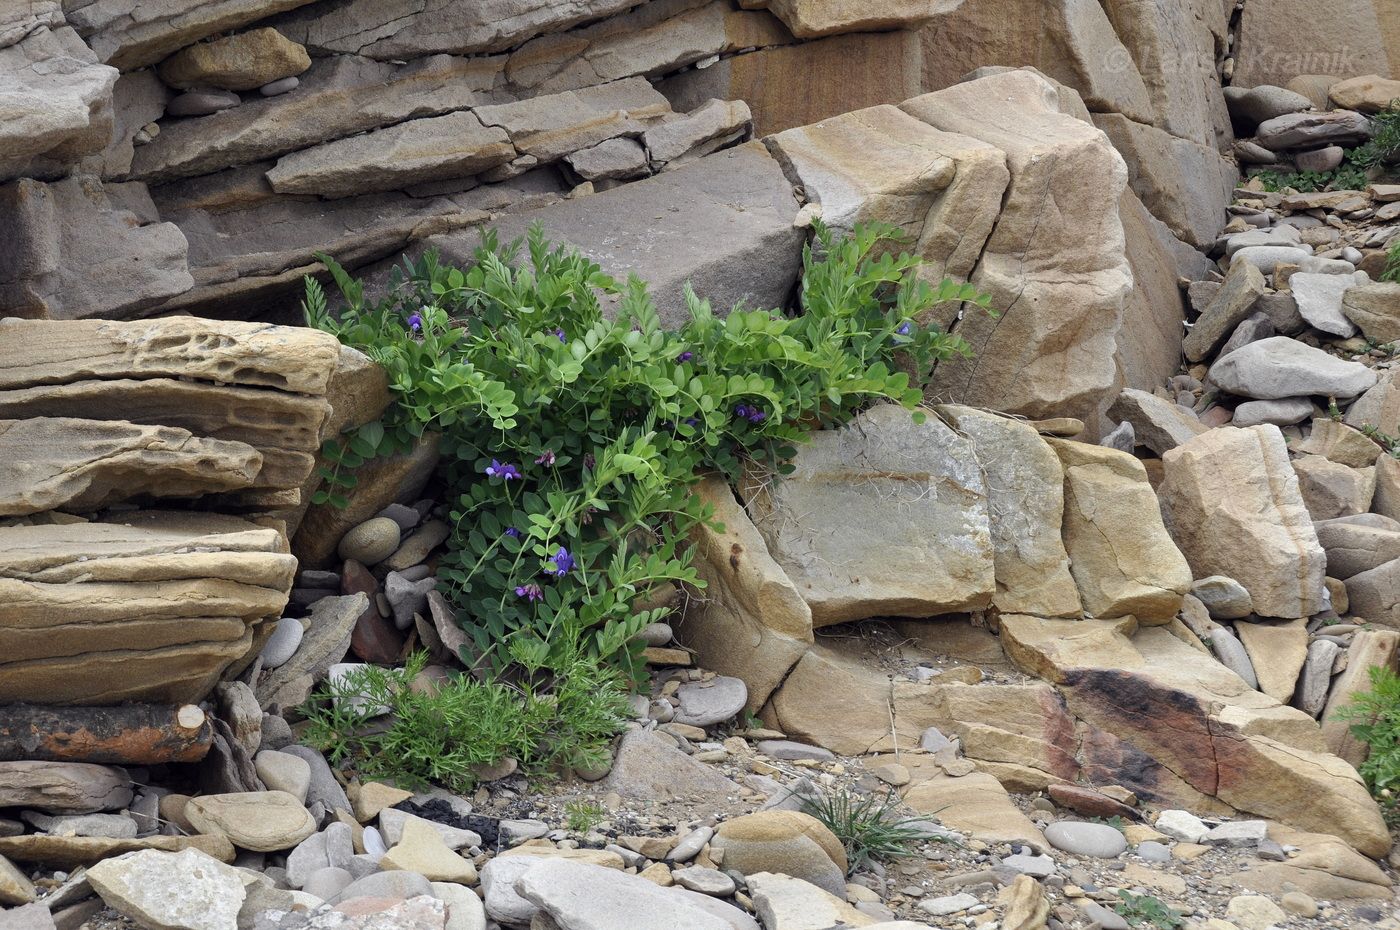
point(1280, 367)
point(81, 465)
point(551, 126)
point(338, 97)
point(67, 787)
point(943, 190)
point(128, 37)
point(1359, 543)
point(810, 18)
point(71, 851)
point(1374, 595)
point(974, 804)
point(738, 204)
point(1123, 560)
point(1185, 184)
point(1282, 39)
point(245, 61)
point(1025, 500)
point(55, 102)
point(79, 248)
point(1073, 43)
point(1369, 649)
point(1158, 424)
point(437, 148)
point(1324, 867)
point(1060, 305)
point(1201, 721)
point(151, 607)
point(1231, 501)
point(1375, 308)
point(884, 517)
point(1277, 651)
point(750, 622)
point(183, 889)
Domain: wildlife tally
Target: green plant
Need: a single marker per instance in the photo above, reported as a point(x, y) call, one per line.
point(1141, 910)
point(1391, 272)
point(571, 440)
point(868, 827)
point(1375, 716)
point(584, 816)
point(1383, 149)
point(373, 722)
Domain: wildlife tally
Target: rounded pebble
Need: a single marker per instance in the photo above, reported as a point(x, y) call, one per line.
point(371, 542)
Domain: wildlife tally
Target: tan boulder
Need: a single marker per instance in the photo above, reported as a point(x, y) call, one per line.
point(1375, 308)
point(245, 61)
point(1021, 734)
point(811, 18)
point(554, 125)
point(1387, 498)
point(1123, 560)
point(1025, 488)
point(1370, 93)
point(974, 804)
point(1324, 867)
point(1331, 490)
point(1050, 349)
point(1379, 407)
point(1277, 649)
point(261, 821)
point(1374, 595)
point(749, 622)
point(71, 851)
point(1369, 649)
point(1231, 501)
point(885, 517)
point(64, 787)
point(796, 843)
point(1282, 39)
point(1335, 440)
point(421, 849)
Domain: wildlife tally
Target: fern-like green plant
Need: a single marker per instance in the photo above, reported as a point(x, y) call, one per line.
point(869, 827)
point(1375, 717)
point(1391, 272)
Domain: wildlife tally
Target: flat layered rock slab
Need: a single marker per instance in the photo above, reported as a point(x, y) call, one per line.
point(737, 204)
point(71, 851)
point(131, 36)
point(294, 359)
point(556, 125)
point(885, 517)
point(68, 464)
point(975, 804)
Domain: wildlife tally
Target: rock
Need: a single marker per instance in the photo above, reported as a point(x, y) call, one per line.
point(113, 826)
point(870, 480)
point(715, 120)
point(1368, 648)
point(245, 61)
point(663, 251)
point(690, 845)
point(1025, 864)
point(975, 804)
point(1025, 499)
point(392, 823)
point(371, 542)
point(1225, 598)
point(59, 106)
point(324, 644)
point(1311, 130)
point(422, 850)
point(1267, 258)
point(282, 644)
point(614, 158)
point(1339, 443)
point(282, 771)
point(704, 704)
point(1299, 904)
point(1369, 94)
point(71, 851)
point(1264, 102)
point(1331, 489)
point(407, 598)
point(789, 842)
point(1232, 654)
point(64, 786)
point(645, 767)
point(1181, 825)
point(1276, 412)
point(1277, 651)
point(1092, 803)
point(706, 881)
point(1158, 424)
point(464, 908)
point(260, 821)
point(1319, 298)
point(15, 887)
point(374, 797)
point(1122, 566)
point(1238, 833)
point(1086, 839)
point(129, 42)
point(1374, 595)
point(202, 103)
point(588, 897)
point(392, 884)
point(498, 883)
point(948, 904)
point(1035, 375)
point(1311, 695)
point(811, 18)
point(284, 86)
point(1282, 367)
point(792, 904)
point(1283, 573)
point(185, 890)
point(1375, 308)
point(1253, 912)
point(791, 751)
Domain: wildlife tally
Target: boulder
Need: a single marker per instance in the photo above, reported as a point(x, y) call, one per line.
point(245, 61)
point(261, 821)
point(648, 768)
point(791, 904)
point(1282, 39)
point(794, 842)
point(1356, 544)
point(58, 105)
point(1244, 285)
point(1122, 558)
point(1231, 501)
point(1158, 424)
point(1026, 361)
point(1331, 489)
point(1369, 94)
point(1319, 298)
point(1378, 407)
point(1337, 442)
point(129, 40)
point(1277, 650)
point(1255, 105)
point(884, 517)
point(1375, 309)
point(750, 621)
point(1324, 867)
point(580, 896)
point(1369, 649)
point(1222, 738)
point(811, 18)
point(1374, 595)
point(186, 890)
point(1314, 130)
point(1280, 367)
point(1025, 499)
point(70, 787)
point(698, 132)
point(975, 804)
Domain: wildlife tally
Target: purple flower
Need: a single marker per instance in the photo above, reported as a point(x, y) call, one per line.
point(560, 333)
point(531, 592)
point(560, 565)
point(505, 472)
point(513, 533)
point(589, 461)
point(752, 414)
point(547, 458)
point(904, 330)
point(685, 356)
point(415, 322)
point(692, 422)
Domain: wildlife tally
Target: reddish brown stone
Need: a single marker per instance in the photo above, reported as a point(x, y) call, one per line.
point(374, 639)
point(1090, 803)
